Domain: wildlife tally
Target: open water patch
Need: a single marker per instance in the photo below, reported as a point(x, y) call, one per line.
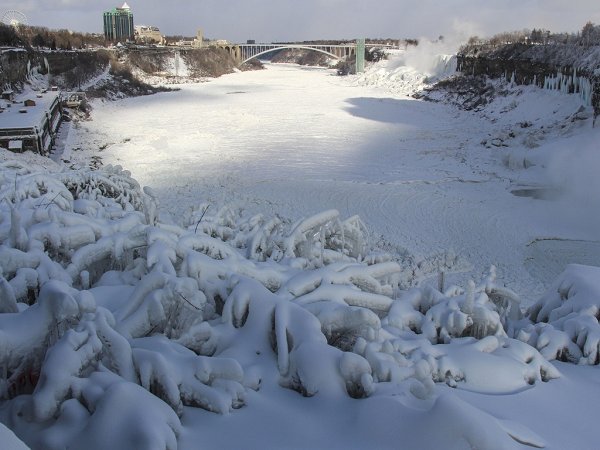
point(537, 193)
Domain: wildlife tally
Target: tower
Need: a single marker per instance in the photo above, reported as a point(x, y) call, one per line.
point(118, 24)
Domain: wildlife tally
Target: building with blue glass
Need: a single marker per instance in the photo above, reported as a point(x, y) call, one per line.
point(118, 24)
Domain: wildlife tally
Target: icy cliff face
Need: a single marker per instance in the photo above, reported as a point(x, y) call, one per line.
point(546, 68)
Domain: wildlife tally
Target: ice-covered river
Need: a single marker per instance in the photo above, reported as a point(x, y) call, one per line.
point(292, 141)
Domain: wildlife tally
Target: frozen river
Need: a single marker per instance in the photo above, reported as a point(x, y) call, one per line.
point(292, 141)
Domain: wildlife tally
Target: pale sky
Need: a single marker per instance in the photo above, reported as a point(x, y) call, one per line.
point(296, 20)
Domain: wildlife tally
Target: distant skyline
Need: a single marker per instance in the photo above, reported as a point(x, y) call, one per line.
point(287, 20)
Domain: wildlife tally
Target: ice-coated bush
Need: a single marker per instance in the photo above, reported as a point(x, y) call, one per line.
point(101, 303)
point(565, 319)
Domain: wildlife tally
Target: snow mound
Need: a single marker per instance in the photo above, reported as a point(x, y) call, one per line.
point(409, 71)
point(566, 318)
point(112, 321)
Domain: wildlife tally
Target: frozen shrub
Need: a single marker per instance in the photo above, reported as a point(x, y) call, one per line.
point(566, 318)
point(102, 303)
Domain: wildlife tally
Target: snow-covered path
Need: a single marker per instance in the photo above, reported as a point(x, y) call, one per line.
point(294, 141)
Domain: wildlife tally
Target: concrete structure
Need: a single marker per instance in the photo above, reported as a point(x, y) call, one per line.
point(73, 99)
point(30, 124)
point(360, 55)
point(118, 24)
point(198, 41)
point(147, 35)
point(187, 44)
point(242, 53)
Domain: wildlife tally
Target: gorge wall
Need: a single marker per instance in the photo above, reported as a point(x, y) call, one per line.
point(571, 70)
point(71, 70)
point(66, 68)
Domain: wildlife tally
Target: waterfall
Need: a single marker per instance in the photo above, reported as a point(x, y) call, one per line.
point(444, 65)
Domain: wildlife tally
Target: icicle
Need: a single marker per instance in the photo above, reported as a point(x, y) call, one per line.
point(480, 327)
point(585, 90)
point(441, 277)
point(85, 279)
point(322, 238)
point(467, 306)
point(18, 238)
point(15, 227)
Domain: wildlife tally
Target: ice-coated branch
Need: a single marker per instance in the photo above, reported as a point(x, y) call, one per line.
point(161, 303)
point(27, 336)
point(299, 242)
point(180, 377)
point(64, 364)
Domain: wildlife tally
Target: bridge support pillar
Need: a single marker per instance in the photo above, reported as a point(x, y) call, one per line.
point(235, 52)
point(360, 55)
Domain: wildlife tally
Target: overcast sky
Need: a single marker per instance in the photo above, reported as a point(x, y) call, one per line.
point(299, 20)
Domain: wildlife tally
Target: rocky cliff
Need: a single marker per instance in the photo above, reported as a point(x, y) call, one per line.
point(572, 69)
point(67, 69)
point(78, 70)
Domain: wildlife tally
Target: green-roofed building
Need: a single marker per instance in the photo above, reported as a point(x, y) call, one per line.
point(118, 24)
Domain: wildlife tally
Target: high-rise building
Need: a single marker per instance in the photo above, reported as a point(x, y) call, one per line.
point(118, 24)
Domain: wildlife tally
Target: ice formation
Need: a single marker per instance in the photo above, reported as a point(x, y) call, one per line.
point(411, 70)
point(571, 84)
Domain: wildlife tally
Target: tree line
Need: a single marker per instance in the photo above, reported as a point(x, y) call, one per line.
point(589, 35)
point(42, 37)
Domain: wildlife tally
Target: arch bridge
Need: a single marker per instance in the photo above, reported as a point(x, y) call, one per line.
point(242, 53)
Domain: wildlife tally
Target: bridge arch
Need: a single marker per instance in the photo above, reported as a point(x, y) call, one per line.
point(303, 47)
point(234, 51)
